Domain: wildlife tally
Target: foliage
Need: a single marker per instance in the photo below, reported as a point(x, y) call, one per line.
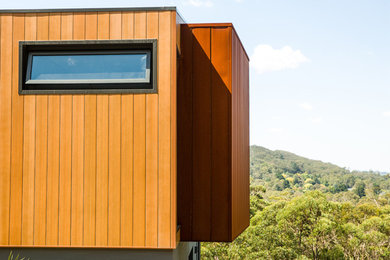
point(11, 257)
point(304, 209)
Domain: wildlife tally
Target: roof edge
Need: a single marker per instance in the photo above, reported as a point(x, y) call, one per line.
point(77, 10)
point(216, 25)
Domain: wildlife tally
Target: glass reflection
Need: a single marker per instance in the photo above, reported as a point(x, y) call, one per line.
point(89, 66)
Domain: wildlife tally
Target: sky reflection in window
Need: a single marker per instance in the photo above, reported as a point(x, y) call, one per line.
point(89, 66)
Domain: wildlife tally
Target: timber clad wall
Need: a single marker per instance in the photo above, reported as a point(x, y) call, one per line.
point(240, 137)
point(213, 134)
point(88, 170)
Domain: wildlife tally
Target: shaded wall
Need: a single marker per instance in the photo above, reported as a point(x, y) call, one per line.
point(213, 134)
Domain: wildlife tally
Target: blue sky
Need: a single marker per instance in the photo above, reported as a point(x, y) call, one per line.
point(320, 71)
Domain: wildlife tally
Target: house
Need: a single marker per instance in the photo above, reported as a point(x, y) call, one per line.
point(124, 134)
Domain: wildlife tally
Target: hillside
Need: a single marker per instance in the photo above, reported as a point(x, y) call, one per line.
point(280, 170)
point(308, 209)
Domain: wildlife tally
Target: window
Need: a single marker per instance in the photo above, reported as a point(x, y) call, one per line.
point(74, 67)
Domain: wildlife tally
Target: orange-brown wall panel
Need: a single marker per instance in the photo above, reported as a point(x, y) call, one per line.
point(114, 149)
point(139, 203)
point(151, 147)
point(240, 137)
point(41, 149)
point(90, 160)
point(164, 66)
point(17, 140)
point(88, 170)
point(202, 159)
point(29, 161)
point(221, 132)
point(6, 27)
point(66, 130)
point(127, 148)
point(185, 131)
point(173, 132)
point(215, 100)
point(53, 150)
point(78, 135)
point(102, 174)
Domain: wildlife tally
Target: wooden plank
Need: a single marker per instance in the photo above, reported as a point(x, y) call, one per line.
point(139, 149)
point(151, 147)
point(29, 150)
point(243, 175)
point(5, 124)
point(240, 138)
point(164, 128)
point(202, 161)
point(173, 68)
point(90, 149)
point(77, 171)
point(221, 134)
point(127, 163)
point(114, 148)
point(78, 134)
point(102, 149)
point(53, 152)
point(102, 171)
point(65, 148)
point(17, 138)
point(127, 160)
point(235, 135)
point(184, 135)
point(127, 25)
point(41, 149)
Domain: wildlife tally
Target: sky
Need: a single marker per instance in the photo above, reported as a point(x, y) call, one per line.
point(319, 76)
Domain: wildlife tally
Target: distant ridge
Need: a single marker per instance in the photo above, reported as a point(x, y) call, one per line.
point(280, 170)
point(262, 154)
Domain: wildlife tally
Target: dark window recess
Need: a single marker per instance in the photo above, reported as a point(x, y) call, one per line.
point(82, 67)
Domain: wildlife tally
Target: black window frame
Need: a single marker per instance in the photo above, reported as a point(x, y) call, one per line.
point(28, 48)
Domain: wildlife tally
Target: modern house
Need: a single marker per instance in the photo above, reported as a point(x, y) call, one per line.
point(124, 134)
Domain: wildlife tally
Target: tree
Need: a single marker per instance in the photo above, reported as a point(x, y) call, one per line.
point(297, 181)
point(376, 188)
point(279, 176)
point(361, 189)
point(286, 184)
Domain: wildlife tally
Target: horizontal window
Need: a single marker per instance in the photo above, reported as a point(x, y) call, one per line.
point(88, 67)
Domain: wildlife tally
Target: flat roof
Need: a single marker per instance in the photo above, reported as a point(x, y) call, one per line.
point(77, 10)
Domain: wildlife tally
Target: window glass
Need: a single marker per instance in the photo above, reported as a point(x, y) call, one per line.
point(120, 66)
point(88, 67)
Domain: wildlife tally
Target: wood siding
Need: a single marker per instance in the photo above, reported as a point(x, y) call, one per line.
point(88, 170)
point(213, 134)
point(240, 137)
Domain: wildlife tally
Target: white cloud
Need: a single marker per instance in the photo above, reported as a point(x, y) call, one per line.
point(386, 114)
point(266, 59)
point(200, 3)
point(306, 106)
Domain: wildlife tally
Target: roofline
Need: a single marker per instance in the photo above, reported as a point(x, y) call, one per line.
point(78, 10)
point(216, 25)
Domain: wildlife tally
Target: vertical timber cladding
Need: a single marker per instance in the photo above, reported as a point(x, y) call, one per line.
point(213, 134)
point(88, 170)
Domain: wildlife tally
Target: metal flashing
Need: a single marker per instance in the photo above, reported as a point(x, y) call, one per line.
point(104, 9)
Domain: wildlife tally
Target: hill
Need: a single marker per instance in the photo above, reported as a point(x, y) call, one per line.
point(308, 209)
point(280, 170)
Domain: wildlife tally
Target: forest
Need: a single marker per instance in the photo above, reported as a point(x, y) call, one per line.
point(307, 209)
